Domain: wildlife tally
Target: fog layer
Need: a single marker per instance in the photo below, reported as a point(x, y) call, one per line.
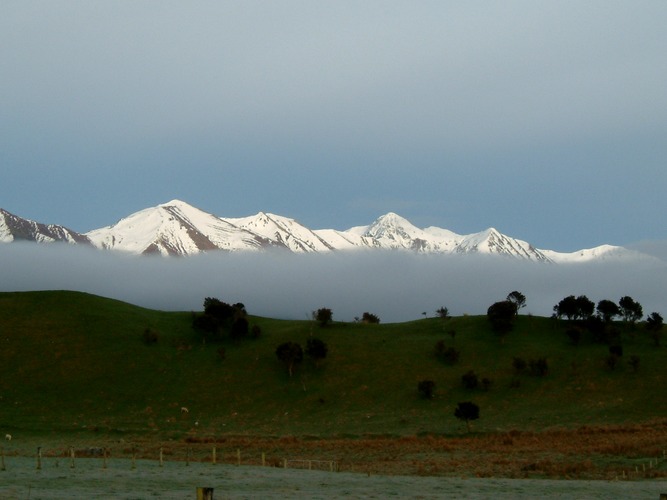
point(396, 286)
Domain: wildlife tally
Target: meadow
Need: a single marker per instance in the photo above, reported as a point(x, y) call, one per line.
point(77, 372)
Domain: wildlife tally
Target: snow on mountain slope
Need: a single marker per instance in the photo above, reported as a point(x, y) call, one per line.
point(177, 228)
point(14, 228)
point(599, 253)
point(174, 228)
point(491, 241)
point(283, 231)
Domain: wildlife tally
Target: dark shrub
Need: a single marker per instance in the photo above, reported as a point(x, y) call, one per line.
point(426, 389)
point(470, 380)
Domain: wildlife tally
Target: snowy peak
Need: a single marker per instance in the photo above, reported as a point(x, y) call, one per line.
point(177, 228)
point(283, 231)
point(174, 228)
point(491, 241)
point(14, 228)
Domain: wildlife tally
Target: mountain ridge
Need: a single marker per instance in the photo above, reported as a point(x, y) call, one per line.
point(177, 228)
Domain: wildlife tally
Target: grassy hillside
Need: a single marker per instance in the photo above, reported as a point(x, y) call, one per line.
point(75, 362)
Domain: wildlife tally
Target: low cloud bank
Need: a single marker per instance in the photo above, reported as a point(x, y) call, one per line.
point(396, 286)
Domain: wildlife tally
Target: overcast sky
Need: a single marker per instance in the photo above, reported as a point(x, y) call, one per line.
point(546, 120)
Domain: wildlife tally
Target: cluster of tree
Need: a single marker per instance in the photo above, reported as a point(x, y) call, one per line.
point(470, 380)
point(220, 318)
point(323, 316)
point(369, 318)
point(598, 319)
point(291, 353)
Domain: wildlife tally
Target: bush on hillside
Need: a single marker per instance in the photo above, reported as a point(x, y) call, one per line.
point(426, 389)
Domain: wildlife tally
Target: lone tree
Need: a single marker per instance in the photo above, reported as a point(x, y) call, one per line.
point(502, 315)
point(316, 349)
point(467, 411)
point(291, 354)
point(630, 309)
point(323, 316)
point(442, 313)
point(518, 299)
point(654, 325)
point(370, 318)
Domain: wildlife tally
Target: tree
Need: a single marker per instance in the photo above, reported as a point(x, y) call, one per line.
point(291, 354)
point(240, 328)
point(323, 316)
point(575, 308)
point(426, 388)
point(442, 313)
point(316, 349)
point(608, 310)
point(654, 325)
point(518, 299)
point(467, 411)
point(446, 354)
point(370, 318)
point(630, 309)
point(502, 315)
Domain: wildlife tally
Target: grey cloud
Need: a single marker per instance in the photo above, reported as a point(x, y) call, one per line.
point(395, 286)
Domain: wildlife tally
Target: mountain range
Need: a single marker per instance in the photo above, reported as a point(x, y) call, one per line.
point(179, 229)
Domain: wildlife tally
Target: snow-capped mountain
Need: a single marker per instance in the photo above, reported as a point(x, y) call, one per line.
point(14, 228)
point(177, 228)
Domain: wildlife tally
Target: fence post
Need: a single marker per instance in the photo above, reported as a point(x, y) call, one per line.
point(39, 458)
point(161, 458)
point(213, 457)
point(204, 493)
point(71, 457)
point(238, 457)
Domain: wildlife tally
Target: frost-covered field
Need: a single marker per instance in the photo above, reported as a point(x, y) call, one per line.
point(90, 480)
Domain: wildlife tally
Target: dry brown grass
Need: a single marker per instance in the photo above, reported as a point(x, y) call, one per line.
point(588, 452)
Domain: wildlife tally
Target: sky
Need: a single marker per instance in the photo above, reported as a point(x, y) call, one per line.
point(545, 120)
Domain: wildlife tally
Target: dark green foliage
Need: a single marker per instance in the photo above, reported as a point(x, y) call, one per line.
point(518, 299)
point(467, 411)
point(486, 383)
point(316, 349)
point(502, 315)
point(426, 389)
point(448, 355)
point(519, 365)
point(538, 367)
point(442, 313)
point(631, 310)
point(149, 336)
point(654, 325)
point(291, 354)
point(608, 310)
point(323, 316)
point(240, 328)
point(470, 380)
point(219, 317)
point(255, 331)
point(616, 350)
point(370, 318)
point(575, 308)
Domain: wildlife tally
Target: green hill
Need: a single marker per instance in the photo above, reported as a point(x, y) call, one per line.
point(71, 362)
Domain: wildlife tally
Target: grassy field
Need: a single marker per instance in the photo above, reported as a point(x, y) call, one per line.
point(75, 365)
